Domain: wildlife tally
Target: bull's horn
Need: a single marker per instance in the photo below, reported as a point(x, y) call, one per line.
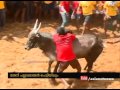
point(38, 28)
point(35, 26)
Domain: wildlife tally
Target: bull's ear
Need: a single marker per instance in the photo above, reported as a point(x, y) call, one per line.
point(29, 28)
point(37, 35)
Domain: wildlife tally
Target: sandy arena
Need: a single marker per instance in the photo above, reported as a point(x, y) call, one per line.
point(14, 58)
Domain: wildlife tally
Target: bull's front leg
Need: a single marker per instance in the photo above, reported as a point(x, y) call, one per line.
point(86, 67)
point(52, 80)
point(89, 65)
point(49, 65)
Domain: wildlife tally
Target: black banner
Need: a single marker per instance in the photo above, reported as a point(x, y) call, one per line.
point(84, 76)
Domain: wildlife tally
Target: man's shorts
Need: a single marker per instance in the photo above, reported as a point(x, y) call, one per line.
point(74, 64)
point(49, 7)
point(87, 19)
point(111, 23)
point(118, 18)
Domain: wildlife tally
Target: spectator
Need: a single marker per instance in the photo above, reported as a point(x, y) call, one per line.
point(99, 14)
point(10, 9)
point(19, 11)
point(57, 15)
point(64, 10)
point(76, 14)
point(2, 14)
point(49, 8)
point(88, 8)
point(111, 11)
point(38, 9)
point(29, 8)
point(118, 17)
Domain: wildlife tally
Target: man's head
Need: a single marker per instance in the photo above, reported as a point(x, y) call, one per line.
point(61, 31)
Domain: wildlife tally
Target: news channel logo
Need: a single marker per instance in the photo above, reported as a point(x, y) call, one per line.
point(84, 77)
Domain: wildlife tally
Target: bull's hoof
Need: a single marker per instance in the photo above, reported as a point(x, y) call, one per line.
point(53, 82)
point(67, 87)
point(70, 81)
point(73, 86)
point(84, 69)
point(90, 71)
point(75, 83)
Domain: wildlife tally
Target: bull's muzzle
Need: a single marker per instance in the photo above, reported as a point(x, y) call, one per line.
point(27, 48)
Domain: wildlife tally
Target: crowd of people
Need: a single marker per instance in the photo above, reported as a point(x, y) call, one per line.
point(102, 12)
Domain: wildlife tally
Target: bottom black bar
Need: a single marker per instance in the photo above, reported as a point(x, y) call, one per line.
point(62, 75)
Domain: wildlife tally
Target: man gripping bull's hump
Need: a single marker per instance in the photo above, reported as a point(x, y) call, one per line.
point(64, 50)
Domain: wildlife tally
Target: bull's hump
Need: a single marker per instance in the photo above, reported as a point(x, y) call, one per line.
point(85, 43)
point(87, 39)
point(46, 35)
point(86, 36)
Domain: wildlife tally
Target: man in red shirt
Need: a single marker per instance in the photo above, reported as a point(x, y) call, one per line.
point(64, 49)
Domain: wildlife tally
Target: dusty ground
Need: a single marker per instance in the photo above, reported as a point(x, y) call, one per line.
point(13, 57)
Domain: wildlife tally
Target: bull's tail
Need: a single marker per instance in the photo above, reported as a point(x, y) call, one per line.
point(99, 42)
point(94, 53)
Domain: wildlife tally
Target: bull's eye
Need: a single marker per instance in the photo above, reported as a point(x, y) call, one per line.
point(32, 38)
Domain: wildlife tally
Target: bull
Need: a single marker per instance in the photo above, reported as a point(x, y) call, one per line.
point(87, 46)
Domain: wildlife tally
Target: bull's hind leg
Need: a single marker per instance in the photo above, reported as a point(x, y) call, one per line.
point(86, 66)
point(92, 56)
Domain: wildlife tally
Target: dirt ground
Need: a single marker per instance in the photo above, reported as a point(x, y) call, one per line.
point(14, 58)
